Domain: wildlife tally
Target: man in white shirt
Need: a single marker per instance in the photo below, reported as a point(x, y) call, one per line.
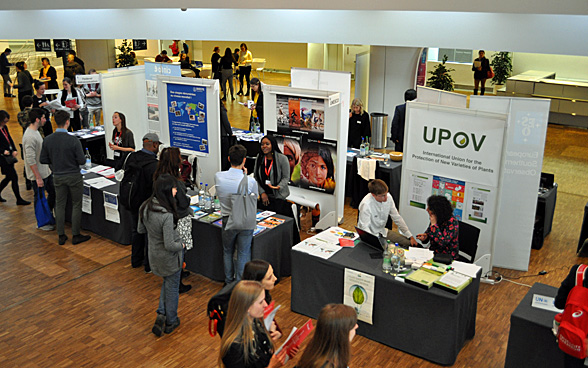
point(227, 183)
point(374, 210)
point(39, 174)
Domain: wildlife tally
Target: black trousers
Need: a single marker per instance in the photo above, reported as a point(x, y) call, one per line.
point(244, 71)
point(139, 254)
point(21, 96)
point(10, 176)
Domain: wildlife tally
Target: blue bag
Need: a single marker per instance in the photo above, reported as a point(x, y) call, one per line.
point(42, 211)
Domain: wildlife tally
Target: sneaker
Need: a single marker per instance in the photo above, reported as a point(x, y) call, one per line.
point(62, 239)
point(184, 288)
point(159, 325)
point(170, 328)
point(47, 227)
point(77, 239)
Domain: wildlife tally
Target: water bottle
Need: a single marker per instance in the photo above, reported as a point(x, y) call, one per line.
point(362, 148)
point(207, 199)
point(367, 145)
point(257, 126)
point(395, 261)
point(216, 204)
point(386, 265)
point(201, 196)
point(88, 164)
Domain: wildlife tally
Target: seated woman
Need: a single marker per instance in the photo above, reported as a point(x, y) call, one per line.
point(443, 231)
point(185, 64)
point(245, 341)
point(263, 272)
point(331, 343)
point(318, 169)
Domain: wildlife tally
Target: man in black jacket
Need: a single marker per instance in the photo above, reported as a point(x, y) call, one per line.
point(145, 162)
point(399, 120)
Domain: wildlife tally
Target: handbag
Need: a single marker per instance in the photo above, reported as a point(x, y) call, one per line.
point(10, 160)
point(42, 211)
point(243, 208)
point(490, 73)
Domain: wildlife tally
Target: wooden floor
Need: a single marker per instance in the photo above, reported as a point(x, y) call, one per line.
point(84, 306)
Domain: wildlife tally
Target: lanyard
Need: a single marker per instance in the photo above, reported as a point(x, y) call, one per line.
point(7, 139)
point(268, 170)
point(117, 139)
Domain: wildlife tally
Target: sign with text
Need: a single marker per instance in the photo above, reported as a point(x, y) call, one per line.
point(447, 143)
point(139, 45)
point(87, 78)
point(42, 45)
point(186, 106)
point(62, 45)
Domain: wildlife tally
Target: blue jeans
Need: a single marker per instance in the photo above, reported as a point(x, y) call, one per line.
point(169, 297)
point(241, 239)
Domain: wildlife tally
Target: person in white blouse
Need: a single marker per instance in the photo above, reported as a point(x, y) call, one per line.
point(72, 101)
point(374, 210)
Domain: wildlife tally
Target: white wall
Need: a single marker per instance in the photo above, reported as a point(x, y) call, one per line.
point(315, 56)
point(565, 66)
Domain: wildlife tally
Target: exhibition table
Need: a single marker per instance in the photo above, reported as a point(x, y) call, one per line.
point(390, 172)
point(95, 141)
point(96, 221)
point(271, 245)
point(432, 324)
point(531, 342)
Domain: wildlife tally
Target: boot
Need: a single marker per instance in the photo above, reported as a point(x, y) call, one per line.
point(482, 90)
point(475, 91)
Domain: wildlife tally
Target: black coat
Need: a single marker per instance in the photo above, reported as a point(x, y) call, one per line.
point(398, 127)
point(481, 74)
point(359, 126)
point(259, 110)
point(6, 145)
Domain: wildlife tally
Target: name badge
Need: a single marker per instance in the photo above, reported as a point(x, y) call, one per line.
point(267, 182)
point(117, 154)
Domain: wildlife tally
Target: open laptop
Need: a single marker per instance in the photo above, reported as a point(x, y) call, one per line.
point(376, 242)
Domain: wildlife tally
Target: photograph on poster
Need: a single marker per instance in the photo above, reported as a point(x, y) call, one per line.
point(479, 204)
point(290, 146)
point(300, 114)
point(184, 104)
point(294, 111)
point(153, 112)
point(151, 88)
point(317, 164)
point(453, 190)
point(282, 112)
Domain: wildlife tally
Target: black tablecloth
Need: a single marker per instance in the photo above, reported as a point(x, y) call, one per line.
point(531, 342)
point(96, 147)
point(390, 173)
point(271, 245)
point(432, 324)
point(584, 231)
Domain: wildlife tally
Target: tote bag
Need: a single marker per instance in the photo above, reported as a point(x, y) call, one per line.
point(42, 211)
point(243, 208)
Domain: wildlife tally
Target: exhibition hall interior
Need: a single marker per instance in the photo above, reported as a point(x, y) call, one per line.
point(498, 131)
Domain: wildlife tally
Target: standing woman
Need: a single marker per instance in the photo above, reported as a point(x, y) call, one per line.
point(226, 70)
point(24, 83)
point(40, 101)
point(48, 72)
point(214, 60)
point(480, 68)
point(69, 93)
point(245, 341)
point(123, 141)
point(359, 124)
point(158, 217)
point(257, 107)
point(443, 230)
point(331, 343)
point(8, 157)
point(245, 59)
point(170, 162)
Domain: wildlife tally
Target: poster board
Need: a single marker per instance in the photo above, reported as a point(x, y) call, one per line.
point(438, 97)
point(152, 71)
point(190, 120)
point(522, 162)
point(455, 153)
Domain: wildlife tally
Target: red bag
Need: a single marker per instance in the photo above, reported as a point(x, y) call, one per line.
point(490, 73)
point(574, 322)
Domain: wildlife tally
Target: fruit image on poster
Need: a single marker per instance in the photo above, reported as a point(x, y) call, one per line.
point(453, 190)
point(317, 165)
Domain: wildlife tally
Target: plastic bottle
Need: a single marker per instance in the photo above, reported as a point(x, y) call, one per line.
point(207, 199)
point(362, 148)
point(257, 126)
point(216, 204)
point(201, 196)
point(394, 260)
point(367, 145)
point(88, 164)
point(386, 265)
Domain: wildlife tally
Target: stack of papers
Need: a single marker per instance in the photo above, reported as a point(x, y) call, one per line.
point(468, 269)
point(418, 255)
point(317, 248)
point(99, 183)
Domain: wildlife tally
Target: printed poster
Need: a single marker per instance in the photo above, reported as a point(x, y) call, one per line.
point(358, 293)
point(188, 122)
point(305, 115)
point(317, 165)
point(453, 190)
point(111, 207)
point(479, 204)
point(420, 190)
point(291, 146)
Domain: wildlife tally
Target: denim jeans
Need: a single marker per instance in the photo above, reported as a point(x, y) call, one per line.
point(169, 297)
point(240, 239)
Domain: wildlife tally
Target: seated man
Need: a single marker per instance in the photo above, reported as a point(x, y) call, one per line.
point(162, 57)
point(374, 210)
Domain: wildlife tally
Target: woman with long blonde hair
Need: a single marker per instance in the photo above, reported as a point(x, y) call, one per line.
point(331, 343)
point(245, 341)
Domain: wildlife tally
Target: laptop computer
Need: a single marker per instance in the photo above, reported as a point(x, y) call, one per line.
point(376, 242)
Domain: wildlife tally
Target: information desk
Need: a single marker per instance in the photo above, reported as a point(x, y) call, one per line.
point(97, 223)
point(530, 341)
point(271, 245)
point(432, 324)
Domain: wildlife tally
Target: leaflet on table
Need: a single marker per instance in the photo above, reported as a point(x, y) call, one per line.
point(199, 214)
point(296, 337)
point(269, 313)
point(87, 200)
point(108, 173)
point(358, 293)
point(468, 269)
point(333, 234)
point(317, 247)
point(210, 218)
point(453, 282)
point(99, 183)
point(98, 168)
point(111, 207)
point(271, 222)
point(258, 229)
point(418, 255)
point(263, 214)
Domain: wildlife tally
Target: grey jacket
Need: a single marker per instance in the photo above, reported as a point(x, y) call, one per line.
point(165, 245)
point(283, 173)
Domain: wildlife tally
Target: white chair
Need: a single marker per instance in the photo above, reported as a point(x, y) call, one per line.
point(258, 65)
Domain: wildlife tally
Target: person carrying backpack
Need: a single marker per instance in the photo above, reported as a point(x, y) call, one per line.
point(135, 188)
point(573, 330)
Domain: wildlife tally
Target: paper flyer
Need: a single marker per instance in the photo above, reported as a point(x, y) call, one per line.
point(296, 338)
point(453, 190)
point(358, 293)
point(479, 204)
point(420, 190)
point(111, 207)
point(87, 200)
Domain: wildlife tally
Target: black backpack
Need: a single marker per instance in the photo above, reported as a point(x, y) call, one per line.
point(217, 310)
point(131, 183)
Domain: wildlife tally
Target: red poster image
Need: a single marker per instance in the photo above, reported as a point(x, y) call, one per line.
point(294, 111)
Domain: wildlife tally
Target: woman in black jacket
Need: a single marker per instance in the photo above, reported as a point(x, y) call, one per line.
point(8, 154)
point(257, 107)
point(359, 124)
point(480, 68)
point(70, 93)
point(24, 83)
